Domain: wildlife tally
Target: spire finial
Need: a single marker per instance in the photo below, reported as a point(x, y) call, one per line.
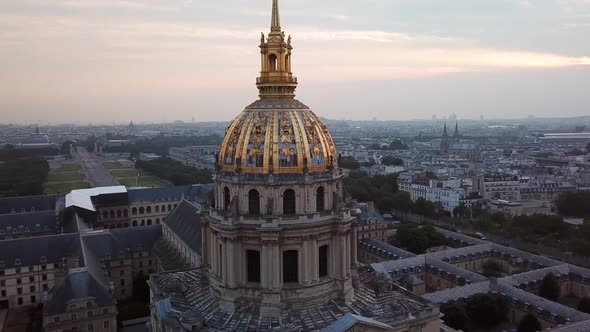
point(276, 18)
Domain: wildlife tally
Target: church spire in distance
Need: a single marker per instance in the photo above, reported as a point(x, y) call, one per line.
point(276, 79)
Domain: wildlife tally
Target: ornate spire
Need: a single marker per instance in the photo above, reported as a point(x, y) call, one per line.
point(276, 18)
point(445, 134)
point(456, 135)
point(276, 79)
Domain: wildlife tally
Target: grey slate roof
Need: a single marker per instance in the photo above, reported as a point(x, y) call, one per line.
point(78, 285)
point(28, 203)
point(387, 248)
point(189, 294)
point(30, 250)
point(576, 327)
point(510, 292)
point(195, 193)
point(185, 222)
point(349, 320)
point(118, 241)
point(33, 221)
point(366, 217)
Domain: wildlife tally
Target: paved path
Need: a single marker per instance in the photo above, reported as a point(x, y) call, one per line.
point(96, 174)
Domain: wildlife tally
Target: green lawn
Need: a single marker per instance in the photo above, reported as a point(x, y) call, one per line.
point(69, 168)
point(145, 181)
point(124, 173)
point(64, 187)
point(65, 176)
point(113, 165)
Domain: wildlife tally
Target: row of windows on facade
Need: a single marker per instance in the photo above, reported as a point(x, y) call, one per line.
point(290, 264)
point(135, 223)
point(22, 228)
point(18, 263)
point(289, 201)
point(19, 291)
point(119, 213)
point(19, 281)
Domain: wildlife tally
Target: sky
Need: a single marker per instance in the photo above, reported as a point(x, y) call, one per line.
point(113, 61)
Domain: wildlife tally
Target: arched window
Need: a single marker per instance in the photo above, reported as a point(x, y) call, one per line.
point(119, 213)
point(253, 202)
point(319, 199)
point(148, 209)
point(141, 210)
point(134, 211)
point(253, 265)
point(226, 198)
point(323, 261)
point(273, 62)
point(163, 209)
point(134, 222)
point(125, 213)
point(290, 266)
point(169, 207)
point(157, 208)
point(112, 214)
point(149, 221)
point(289, 201)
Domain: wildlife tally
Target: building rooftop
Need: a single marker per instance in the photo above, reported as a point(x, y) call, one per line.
point(79, 285)
point(186, 294)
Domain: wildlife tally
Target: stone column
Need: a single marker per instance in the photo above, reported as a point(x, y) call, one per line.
point(276, 266)
point(315, 273)
point(264, 265)
point(224, 260)
point(348, 252)
point(343, 255)
point(205, 241)
point(231, 263)
point(306, 262)
point(213, 253)
point(354, 246)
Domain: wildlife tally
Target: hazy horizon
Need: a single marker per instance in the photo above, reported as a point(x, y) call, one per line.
point(99, 61)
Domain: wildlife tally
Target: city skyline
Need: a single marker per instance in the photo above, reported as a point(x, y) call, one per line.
point(155, 61)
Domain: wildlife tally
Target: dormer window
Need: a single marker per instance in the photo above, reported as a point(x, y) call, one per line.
point(43, 259)
point(17, 262)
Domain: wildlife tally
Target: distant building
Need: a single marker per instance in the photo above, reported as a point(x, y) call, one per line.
point(195, 156)
point(522, 208)
point(545, 191)
point(497, 186)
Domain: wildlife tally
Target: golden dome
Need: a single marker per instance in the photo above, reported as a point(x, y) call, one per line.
point(277, 136)
point(277, 133)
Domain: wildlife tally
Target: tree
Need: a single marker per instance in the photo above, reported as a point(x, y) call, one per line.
point(349, 163)
point(454, 316)
point(486, 311)
point(419, 239)
point(492, 269)
point(584, 305)
point(392, 161)
point(529, 323)
point(574, 204)
point(550, 288)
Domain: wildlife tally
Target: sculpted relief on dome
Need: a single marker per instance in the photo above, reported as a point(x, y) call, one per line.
point(277, 141)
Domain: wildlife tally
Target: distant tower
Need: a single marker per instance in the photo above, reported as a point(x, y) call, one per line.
point(456, 134)
point(445, 145)
point(131, 127)
point(37, 130)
